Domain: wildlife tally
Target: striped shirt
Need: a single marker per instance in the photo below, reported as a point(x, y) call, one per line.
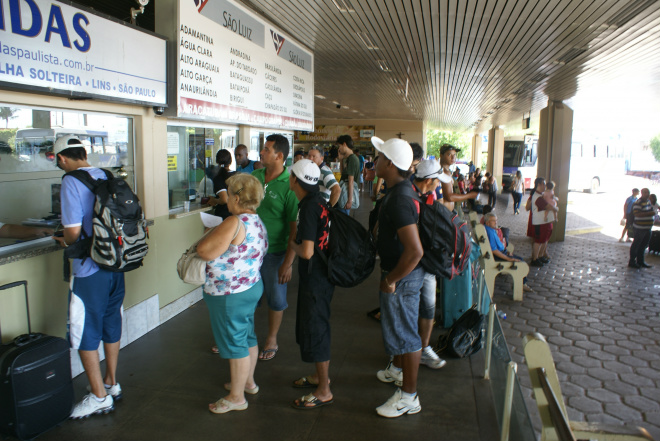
point(327, 181)
point(643, 213)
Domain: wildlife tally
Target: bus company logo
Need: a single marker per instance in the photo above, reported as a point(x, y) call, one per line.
point(278, 41)
point(199, 4)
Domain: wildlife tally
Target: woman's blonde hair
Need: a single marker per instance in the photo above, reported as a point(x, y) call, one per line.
point(248, 189)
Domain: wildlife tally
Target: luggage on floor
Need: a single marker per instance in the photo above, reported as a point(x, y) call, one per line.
point(654, 242)
point(36, 392)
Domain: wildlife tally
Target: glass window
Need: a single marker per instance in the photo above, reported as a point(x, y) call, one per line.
point(191, 155)
point(29, 178)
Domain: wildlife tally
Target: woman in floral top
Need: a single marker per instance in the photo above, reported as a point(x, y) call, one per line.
point(235, 251)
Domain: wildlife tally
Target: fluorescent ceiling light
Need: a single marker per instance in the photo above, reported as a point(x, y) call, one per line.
point(343, 5)
point(367, 40)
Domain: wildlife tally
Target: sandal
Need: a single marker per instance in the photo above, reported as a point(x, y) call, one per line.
point(224, 406)
point(305, 382)
point(309, 399)
point(263, 356)
point(252, 391)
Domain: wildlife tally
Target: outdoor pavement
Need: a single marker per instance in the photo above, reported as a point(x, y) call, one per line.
point(600, 317)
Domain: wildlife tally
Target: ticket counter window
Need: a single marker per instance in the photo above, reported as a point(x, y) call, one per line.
point(191, 160)
point(29, 178)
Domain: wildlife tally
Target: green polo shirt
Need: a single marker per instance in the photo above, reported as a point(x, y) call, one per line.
point(278, 208)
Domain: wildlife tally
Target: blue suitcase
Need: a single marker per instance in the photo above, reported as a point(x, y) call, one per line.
point(461, 292)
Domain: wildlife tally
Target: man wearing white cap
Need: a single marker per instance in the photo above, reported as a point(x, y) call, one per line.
point(96, 294)
point(400, 251)
point(314, 289)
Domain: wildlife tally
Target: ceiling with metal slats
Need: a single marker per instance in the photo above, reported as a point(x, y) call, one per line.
point(473, 64)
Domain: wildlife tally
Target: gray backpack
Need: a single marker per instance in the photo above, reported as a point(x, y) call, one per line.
point(119, 236)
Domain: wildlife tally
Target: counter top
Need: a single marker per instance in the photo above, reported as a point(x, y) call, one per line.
point(178, 213)
point(33, 248)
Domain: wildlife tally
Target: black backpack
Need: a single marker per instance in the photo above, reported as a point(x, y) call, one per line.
point(466, 336)
point(445, 238)
point(352, 256)
point(119, 231)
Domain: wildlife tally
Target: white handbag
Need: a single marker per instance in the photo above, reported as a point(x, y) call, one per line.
point(191, 267)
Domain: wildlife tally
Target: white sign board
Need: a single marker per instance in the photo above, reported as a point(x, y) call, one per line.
point(234, 66)
point(53, 47)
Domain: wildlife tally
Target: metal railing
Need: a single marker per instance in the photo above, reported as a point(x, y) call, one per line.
point(512, 414)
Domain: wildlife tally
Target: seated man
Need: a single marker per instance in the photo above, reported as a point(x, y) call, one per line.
point(499, 251)
point(502, 232)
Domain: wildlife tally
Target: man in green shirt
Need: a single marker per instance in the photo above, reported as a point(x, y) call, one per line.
point(278, 212)
point(349, 176)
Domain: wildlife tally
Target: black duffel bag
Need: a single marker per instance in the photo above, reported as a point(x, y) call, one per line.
point(466, 336)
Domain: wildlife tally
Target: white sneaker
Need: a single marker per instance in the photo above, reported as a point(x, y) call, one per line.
point(431, 359)
point(389, 375)
point(114, 390)
point(91, 406)
point(397, 406)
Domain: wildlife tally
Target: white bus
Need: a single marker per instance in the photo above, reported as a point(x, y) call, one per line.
point(32, 142)
point(595, 166)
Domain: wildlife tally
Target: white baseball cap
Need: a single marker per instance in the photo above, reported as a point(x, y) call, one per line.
point(397, 150)
point(430, 168)
point(307, 173)
point(66, 142)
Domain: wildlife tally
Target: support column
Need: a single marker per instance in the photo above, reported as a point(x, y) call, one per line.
point(554, 157)
point(476, 150)
point(244, 135)
point(496, 154)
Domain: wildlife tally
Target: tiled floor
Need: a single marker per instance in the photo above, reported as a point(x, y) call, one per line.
point(601, 319)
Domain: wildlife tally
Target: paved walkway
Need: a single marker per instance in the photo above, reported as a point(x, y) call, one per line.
point(600, 317)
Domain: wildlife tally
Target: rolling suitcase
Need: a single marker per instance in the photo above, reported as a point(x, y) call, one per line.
point(36, 392)
point(460, 293)
point(456, 296)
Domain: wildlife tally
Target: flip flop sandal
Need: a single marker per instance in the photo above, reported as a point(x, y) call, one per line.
point(263, 357)
point(309, 399)
point(304, 382)
point(224, 406)
point(252, 391)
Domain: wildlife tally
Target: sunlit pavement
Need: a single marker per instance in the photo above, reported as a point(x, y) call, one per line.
point(600, 317)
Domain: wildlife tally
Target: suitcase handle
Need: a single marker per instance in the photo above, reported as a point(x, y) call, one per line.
point(27, 304)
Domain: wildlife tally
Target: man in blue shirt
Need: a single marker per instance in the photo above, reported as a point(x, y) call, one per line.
point(96, 295)
point(499, 251)
point(243, 163)
point(628, 213)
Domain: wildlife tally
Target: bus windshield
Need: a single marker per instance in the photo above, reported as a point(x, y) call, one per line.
point(513, 153)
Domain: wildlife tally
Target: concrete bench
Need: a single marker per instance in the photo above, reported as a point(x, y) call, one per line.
point(547, 392)
point(492, 268)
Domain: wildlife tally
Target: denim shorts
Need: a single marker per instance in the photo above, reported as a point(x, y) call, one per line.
point(399, 312)
point(274, 292)
point(427, 297)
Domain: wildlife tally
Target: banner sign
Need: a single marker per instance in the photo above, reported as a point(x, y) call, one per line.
point(330, 133)
point(233, 66)
point(53, 47)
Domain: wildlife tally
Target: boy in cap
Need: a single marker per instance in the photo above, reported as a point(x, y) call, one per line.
point(448, 158)
point(427, 178)
point(96, 295)
point(400, 251)
point(314, 289)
